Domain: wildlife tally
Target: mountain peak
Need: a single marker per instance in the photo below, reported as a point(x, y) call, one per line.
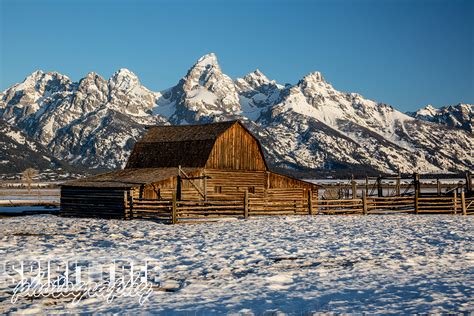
point(258, 74)
point(256, 78)
point(40, 78)
point(123, 73)
point(428, 110)
point(315, 76)
point(33, 77)
point(208, 59)
point(91, 74)
point(124, 79)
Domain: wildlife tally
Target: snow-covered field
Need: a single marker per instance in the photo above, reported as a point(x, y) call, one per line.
point(345, 264)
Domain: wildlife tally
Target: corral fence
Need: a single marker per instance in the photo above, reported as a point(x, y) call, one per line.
point(175, 211)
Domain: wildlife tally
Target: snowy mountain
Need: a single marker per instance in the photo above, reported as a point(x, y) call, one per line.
point(20, 152)
point(308, 125)
point(92, 123)
point(459, 115)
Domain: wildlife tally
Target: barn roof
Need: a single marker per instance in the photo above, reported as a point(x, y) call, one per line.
point(128, 178)
point(183, 133)
point(178, 145)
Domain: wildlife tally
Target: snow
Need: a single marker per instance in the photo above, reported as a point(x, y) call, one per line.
point(401, 264)
point(208, 59)
point(16, 136)
point(248, 110)
point(429, 110)
point(202, 94)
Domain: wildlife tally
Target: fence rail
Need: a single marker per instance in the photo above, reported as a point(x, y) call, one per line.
point(175, 211)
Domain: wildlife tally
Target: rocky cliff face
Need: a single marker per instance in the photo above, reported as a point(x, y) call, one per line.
point(95, 122)
point(20, 152)
point(458, 116)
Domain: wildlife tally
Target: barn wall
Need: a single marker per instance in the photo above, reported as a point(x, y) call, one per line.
point(229, 184)
point(222, 184)
point(280, 181)
point(233, 184)
point(284, 187)
point(92, 202)
point(236, 149)
point(163, 190)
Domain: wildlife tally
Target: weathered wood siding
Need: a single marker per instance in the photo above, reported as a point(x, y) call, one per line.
point(163, 190)
point(232, 184)
point(93, 202)
point(228, 184)
point(280, 181)
point(284, 187)
point(236, 149)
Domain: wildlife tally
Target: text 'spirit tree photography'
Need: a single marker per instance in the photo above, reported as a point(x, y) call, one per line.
point(229, 157)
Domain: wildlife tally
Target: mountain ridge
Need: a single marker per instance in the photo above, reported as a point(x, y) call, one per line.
point(94, 122)
point(460, 115)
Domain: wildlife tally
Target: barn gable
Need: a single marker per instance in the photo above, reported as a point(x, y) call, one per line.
point(226, 145)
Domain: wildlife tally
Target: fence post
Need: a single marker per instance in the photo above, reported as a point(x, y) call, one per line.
point(354, 189)
point(366, 185)
point(416, 202)
point(379, 186)
point(310, 202)
point(174, 219)
point(468, 182)
point(130, 204)
point(463, 203)
point(364, 203)
point(316, 203)
point(246, 204)
point(438, 187)
point(397, 185)
point(455, 201)
point(125, 204)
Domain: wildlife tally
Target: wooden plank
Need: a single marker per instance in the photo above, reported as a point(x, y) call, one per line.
point(246, 204)
point(455, 204)
point(463, 203)
point(173, 209)
point(416, 201)
point(364, 203)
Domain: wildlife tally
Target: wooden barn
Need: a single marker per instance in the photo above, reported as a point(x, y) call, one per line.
point(207, 162)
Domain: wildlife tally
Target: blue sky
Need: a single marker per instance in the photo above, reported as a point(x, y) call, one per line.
point(404, 53)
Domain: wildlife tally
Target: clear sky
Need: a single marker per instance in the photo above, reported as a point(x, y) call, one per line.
point(407, 53)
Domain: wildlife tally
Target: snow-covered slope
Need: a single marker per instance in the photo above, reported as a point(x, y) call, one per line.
point(95, 122)
point(459, 115)
point(19, 152)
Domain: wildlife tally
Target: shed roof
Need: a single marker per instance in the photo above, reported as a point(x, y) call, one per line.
point(127, 178)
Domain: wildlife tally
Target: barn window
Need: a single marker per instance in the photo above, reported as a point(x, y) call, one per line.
point(251, 189)
point(217, 189)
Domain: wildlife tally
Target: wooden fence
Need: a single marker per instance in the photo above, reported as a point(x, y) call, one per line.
point(174, 211)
